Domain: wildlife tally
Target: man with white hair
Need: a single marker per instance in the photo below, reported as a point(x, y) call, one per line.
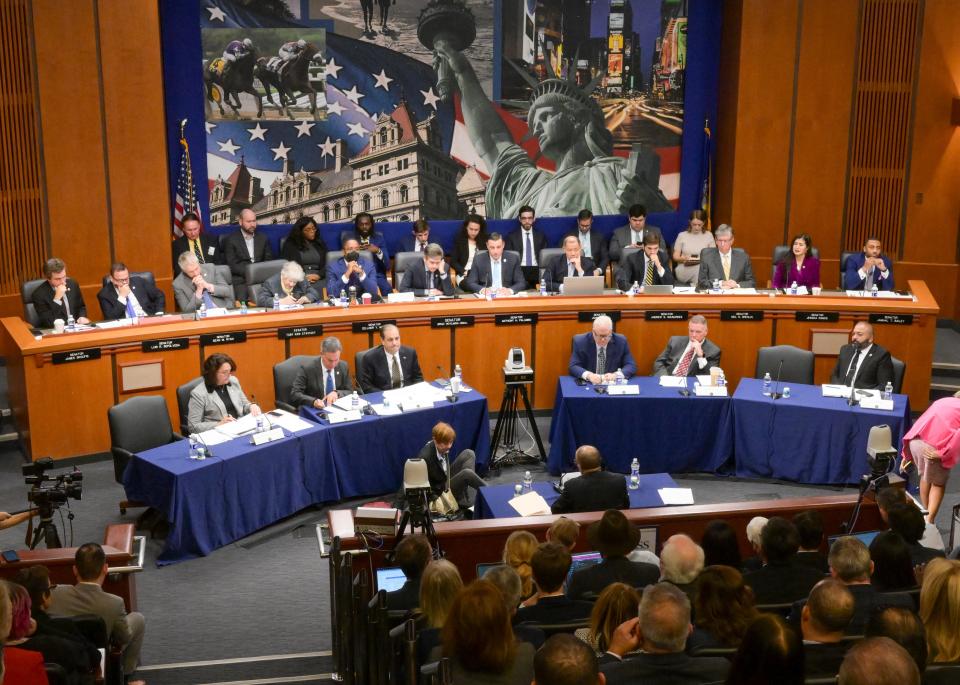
point(754, 531)
point(681, 561)
point(598, 354)
point(724, 263)
point(688, 355)
point(200, 284)
point(290, 285)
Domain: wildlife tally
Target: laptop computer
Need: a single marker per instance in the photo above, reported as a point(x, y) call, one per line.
point(390, 579)
point(657, 290)
point(581, 561)
point(583, 285)
point(483, 568)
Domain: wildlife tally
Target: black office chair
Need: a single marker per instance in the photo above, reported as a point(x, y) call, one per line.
point(26, 296)
point(844, 256)
point(255, 274)
point(797, 364)
point(183, 402)
point(781, 251)
point(403, 261)
point(145, 275)
point(92, 628)
point(547, 255)
point(283, 375)
point(550, 629)
point(899, 369)
point(358, 370)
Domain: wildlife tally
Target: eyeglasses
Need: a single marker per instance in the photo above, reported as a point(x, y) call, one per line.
point(602, 336)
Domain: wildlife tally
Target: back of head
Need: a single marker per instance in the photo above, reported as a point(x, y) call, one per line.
point(19, 610)
point(89, 561)
point(720, 546)
point(892, 564)
point(878, 661)
point(755, 530)
point(681, 559)
point(564, 531)
point(907, 520)
point(506, 579)
point(588, 458)
point(904, 627)
point(413, 554)
point(940, 609)
point(36, 579)
point(724, 604)
point(849, 558)
point(616, 604)
point(439, 584)
point(889, 496)
point(517, 552)
point(810, 528)
point(565, 660)
point(477, 631)
point(779, 540)
point(664, 618)
point(550, 564)
point(831, 606)
point(770, 652)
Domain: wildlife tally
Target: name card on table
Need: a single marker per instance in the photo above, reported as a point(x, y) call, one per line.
point(267, 436)
point(76, 356)
point(588, 317)
point(742, 315)
point(515, 319)
point(164, 345)
point(335, 417)
point(893, 319)
point(451, 321)
point(623, 389)
point(666, 315)
point(818, 317)
point(371, 326)
point(710, 390)
point(873, 402)
point(300, 332)
point(223, 338)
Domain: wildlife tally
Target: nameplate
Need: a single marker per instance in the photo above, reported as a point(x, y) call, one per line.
point(300, 332)
point(371, 326)
point(223, 338)
point(267, 436)
point(893, 319)
point(451, 321)
point(336, 417)
point(76, 356)
point(818, 317)
point(164, 345)
point(515, 319)
point(588, 317)
point(742, 315)
point(671, 315)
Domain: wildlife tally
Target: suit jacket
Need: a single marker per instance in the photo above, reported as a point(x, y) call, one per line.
point(89, 598)
point(554, 610)
point(556, 271)
point(480, 275)
point(409, 243)
point(599, 252)
point(851, 273)
point(622, 238)
point(206, 409)
point(237, 257)
point(186, 292)
point(823, 659)
point(415, 280)
point(48, 310)
point(667, 669)
point(209, 246)
point(272, 286)
point(876, 370)
point(670, 357)
point(309, 383)
point(292, 253)
point(612, 570)
point(711, 267)
point(435, 471)
point(594, 491)
point(866, 600)
point(151, 299)
point(375, 374)
point(780, 582)
point(514, 241)
point(633, 269)
point(461, 251)
point(584, 355)
point(335, 284)
point(382, 260)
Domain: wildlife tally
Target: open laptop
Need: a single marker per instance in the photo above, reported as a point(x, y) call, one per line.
point(583, 285)
point(390, 579)
point(657, 290)
point(582, 561)
point(482, 568)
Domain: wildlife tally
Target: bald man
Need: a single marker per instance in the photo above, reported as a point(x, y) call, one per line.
point(243, 247)
point(863, 363)
point(878, 661)
point(594, 490)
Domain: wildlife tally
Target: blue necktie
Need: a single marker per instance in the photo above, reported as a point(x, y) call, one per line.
point(131, 312)
point(207, 300)
point(496, 283)
point(329, 387)
point(529, 260)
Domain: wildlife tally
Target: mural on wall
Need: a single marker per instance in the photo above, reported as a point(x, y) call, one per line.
point(403, 109)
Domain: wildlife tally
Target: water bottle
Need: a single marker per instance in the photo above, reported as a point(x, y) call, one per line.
point(261, 424)
point(458, 372)
point(874, 290)
point(543, 287)
point(71, 322)
point(201, 450)
point(888, 391)
point(786, 393)
point(276, 302)
point(344, 302)
point(793, 288)
point(194, 442)
point(243, 306)
point(527, 481)
point(716, 285)
point(634, 474)
point(620, 379)
point(635, 288)
point(354, 401)
point(767, 384)
point(202, 312)
point(722, 380)
point(518, 489)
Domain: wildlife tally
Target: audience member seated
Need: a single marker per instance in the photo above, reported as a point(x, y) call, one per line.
point(418, 238)
point(352, 269)
point(389, 365)
point(892, 566)
point(18, 666)
point(688, 355)
point(863, 363)
point(720, 546)
point(798, 266)
point(616, 605)
point(823, 623)
point(205, 248)
point(940, 610)
point(903, 627)
point(439, 585)
point(495, 272)
point(508, 582)
point(219, 399)
point(323, 381)
point(723, 609)
point(681, 560)
point(564, 532)
point(868, 268)
point(688, 246)
point(565, 660)
point(633, 233)
point(593, 244)
point(660, 633)
point(242, 247)
point(200, 284)
point(878, 661)
point(374, 245)
point(593, 490)
point(517, 554)
point(88, 597)
point(754, 533)
point(470, 239)
point(729, 266)
point(907, 520)
point(887, 497)
point(527, 242)
point(413, 555)
point(550, 564)
point(290, 286)
point(644, 267)
point(571, 264)
point(598, 355)
point(477, 639)
point(782, 578)
point(306, 247)
point(770, 652)
point(431, 280)
point(810, 529)
point(457, 477)
point(59, 297)
point(614, 537)
point(933, 445)
point(126, 296)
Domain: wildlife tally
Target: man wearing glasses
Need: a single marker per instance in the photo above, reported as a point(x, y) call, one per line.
point(128, 297)
point(731, 267)
point(598, 354)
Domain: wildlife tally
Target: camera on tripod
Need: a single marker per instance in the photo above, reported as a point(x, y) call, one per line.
point(51, 490)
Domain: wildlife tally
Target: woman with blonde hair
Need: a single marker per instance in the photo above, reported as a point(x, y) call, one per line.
point(940, 609)
point(617, 604)
point(439, 585)
point(517, 553)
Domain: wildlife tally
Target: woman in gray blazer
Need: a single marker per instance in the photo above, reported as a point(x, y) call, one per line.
point(219, 399)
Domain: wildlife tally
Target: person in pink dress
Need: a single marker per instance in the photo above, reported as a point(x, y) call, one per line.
point(798, 265)
point(933, 444)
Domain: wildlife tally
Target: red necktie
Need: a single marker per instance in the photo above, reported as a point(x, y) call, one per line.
point(684, 365)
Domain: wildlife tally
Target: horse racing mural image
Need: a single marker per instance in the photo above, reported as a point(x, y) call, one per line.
point(412, 115)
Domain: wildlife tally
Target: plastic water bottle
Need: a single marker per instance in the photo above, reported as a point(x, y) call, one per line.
point(354, 401)
point(243, 306)
point(722, 380)
point(202, 312)
point(518, 489)
point(619, 378)
point(716, 285)
point(767, 384)
point(527, 481)
point(793, 288)
point(543, 287)
point(888, 391)
point(194, 442)
point(786, 393)
point(874, 290)
point(276, 302)
point(634, 474)
point(458, 372)
point(261, 424)
point(71, 322)
point(344, 302)
point(635, 288)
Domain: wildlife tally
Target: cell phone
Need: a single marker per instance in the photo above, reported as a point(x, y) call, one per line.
point(10, 556)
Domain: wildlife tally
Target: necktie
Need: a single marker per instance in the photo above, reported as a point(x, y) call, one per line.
point(585, 245)
point(131, 309)
point(571, 269)
point(436, 280)
point(852, 371)
point(197, 251)
point(329, 386)
point(601, 360)
point(207, 300)
point(648, 276)
point(726, 267)
point(684, 364)
point(868, 281)
point(396, 378)
point(528, 258)
point(495, 282)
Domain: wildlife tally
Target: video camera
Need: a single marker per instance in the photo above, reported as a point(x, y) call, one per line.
point(47, 491)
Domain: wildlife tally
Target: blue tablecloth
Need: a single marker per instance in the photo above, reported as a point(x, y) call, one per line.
point(664, 430)
point(493, 501)
point(807, 438)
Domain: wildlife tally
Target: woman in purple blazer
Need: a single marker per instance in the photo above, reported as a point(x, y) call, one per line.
point(798, 265)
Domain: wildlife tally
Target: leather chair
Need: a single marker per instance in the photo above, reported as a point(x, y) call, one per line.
point(183, 402)
point(145, 275)
point(797, 364)
point(403, 261)
point(844, 256)
point(255, 274)
point(26, 296)
point(781, 251)
point(547, 255)
point(899, 369)
point(358, 368)
point(137, 424)
point(94, 629)
point(550, 629)
point(284, 374)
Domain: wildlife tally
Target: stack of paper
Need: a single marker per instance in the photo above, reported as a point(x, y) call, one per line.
point(346, 403)
point(290, 422)
point(245, 424)
point(530, 504)
point(673, 381)
point(676, 495)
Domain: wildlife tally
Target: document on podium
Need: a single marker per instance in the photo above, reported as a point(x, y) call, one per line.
point(676, 495)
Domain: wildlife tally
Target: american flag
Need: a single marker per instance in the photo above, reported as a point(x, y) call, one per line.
point(186, 200)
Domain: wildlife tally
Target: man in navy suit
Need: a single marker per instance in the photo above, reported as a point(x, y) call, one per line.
point(389, 364)
point(418, 240)
point(868, 268)
point(572, 263)
point(243, 247)
point(688, 355)
point(353, 268)
point(527, 242)
point(374, 244)
point(644, 267)
point(863, 363)
point(432, 278)
point(598, 354)
point(320, 382)
point(126, 294)
point(494, 270)
point(58, 297)
point(593, 243)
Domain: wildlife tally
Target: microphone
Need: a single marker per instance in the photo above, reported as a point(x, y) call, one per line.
point(206, 448)
point(548, 275)
point(776, 386)
point(852, 399)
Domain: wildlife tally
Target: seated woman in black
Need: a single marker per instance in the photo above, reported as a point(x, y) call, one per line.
point(305, 247)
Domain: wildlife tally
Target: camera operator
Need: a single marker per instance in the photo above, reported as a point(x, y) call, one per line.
point(11, 520)
point(352, 269)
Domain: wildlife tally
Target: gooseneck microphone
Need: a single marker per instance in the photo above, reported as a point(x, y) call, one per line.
point(775, 395)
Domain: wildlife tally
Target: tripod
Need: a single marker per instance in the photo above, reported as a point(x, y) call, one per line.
point(506, 427)
point(46, 530)
point(416, 515)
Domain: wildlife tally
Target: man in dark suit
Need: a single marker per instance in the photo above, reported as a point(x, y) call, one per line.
point(374, 245)
point(418, 239)
point(494, 270)
point(353, 268)
point(823, 623)
point(290, 285)
point(731, 266)
point(863, 363)
point(321, 382)
point(869, 268)
point(810, 529)
point(688, 355)
point(660, 635)
point(881, 661)
point(200, 283)
point(389, 364)
point(592, 243)
point(124, 295)
point(527, 242)
point(598, 354)
point(570, 264)
point(633, 233)
point(614, 537)
point(644, 267)
point(782, 578)
point(59, 297)
point(412, 556)
point(593, 490)
point(245, 246)
point(550, 564)
point(458, 476)
point(205, 247)
point(432, 279)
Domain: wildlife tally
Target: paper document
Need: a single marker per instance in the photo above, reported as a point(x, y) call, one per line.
point(684, 290)
point(417, 394)
point(676, 495)
point(245, 424)
point(740, 291)
point(284, 419)
point(386, 410)
point(673, 381)
point(530, 504)
point(346, 403)
point(843, 391)
point(213, 437)
point(116, 323)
